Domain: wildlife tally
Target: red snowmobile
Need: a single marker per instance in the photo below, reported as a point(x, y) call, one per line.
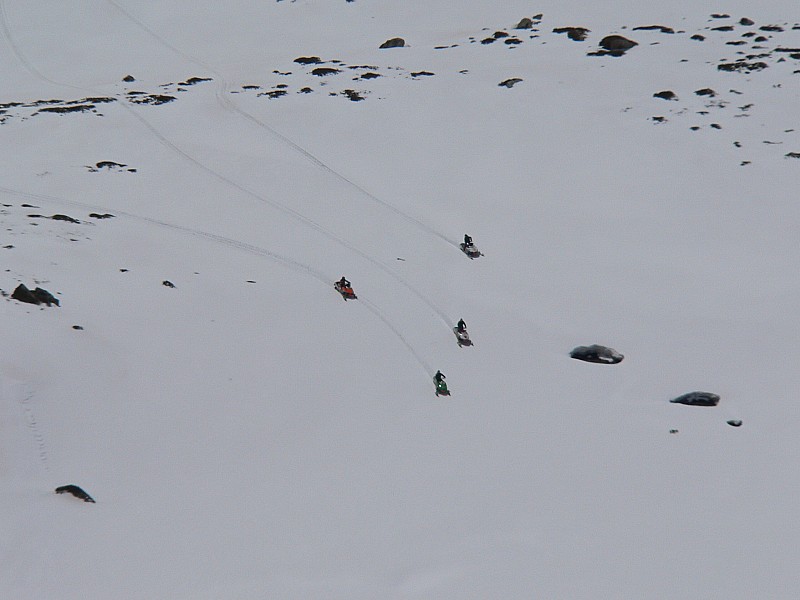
point(345, 289)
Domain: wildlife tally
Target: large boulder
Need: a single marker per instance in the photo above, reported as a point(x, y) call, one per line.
point(597, 354)
point(37, 296)
point(393, 43)
point(617, 43)
point(614, 45)
point(697, 399)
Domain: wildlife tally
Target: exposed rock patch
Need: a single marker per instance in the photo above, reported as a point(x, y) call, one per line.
point(660, 28)
point(597, 354)
point(393, 43)
point(324, 71)
point(614, 45)
point(742, 66)
point(75, 491)
point(577, 34)
point(509, 83)
point(36, 296)
point(697, 399)
point(152, 99)
point(666, 95)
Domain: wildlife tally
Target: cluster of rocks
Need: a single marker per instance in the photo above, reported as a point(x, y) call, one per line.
point(36, 296)
point(92, 105)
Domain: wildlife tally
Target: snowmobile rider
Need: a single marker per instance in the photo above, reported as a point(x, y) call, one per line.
point(467, 241)
point(343, 283)
point(461, 327)
point(439, 377)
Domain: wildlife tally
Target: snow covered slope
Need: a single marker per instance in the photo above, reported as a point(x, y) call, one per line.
point(248, 434)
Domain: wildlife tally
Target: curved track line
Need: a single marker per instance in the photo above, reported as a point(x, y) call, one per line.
point(374, 310)
point(222, 97)
point(289, 263)
point(167, 143)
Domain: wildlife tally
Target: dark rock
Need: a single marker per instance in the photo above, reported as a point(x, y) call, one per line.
point(489, 40)
point(95, 100)
point(697, 399)
point(614, 45)
point(324, 71)
point(597, 354)
point(736, 43)
point(512, 41)
point(308, 60)
point(577, 34)
point(792, 155)
point(370, 75)
point(509, 83)
point(776, 28)
point(305, 90)
point(697, 37)
point(153, 99)
point(77, 327)
point(742, 66)
point(734, 423)
point(659, 119)
point(666, 95)
point(109, 164)
point(67, 109)
point(525, 23)
point(101, 216)
point(660, 28)
point(723, 28)
point(194, 81)
point(499, 34)
point(706, 92)
point(720, 16)
point(393, 43)
point(66, 218)
point(422, 74)
point(128, 78)
point(353, 95)
point(37, 296)
point(617, 42)
point(168, 284)
point(746, 22)
point(760, 38)
point(274, 93)
point(75, 491)
point(715, 126)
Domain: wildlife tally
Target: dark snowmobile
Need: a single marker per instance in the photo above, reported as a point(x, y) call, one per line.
point(462, 337)
point(345, 289)
point(470, 250)
point(441, 384)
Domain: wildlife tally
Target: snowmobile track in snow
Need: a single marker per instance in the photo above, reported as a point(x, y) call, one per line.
point(289, 263)
point(210, 171)
point(222, 94)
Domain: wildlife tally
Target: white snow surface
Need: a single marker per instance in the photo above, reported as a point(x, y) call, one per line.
point(248, 434)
